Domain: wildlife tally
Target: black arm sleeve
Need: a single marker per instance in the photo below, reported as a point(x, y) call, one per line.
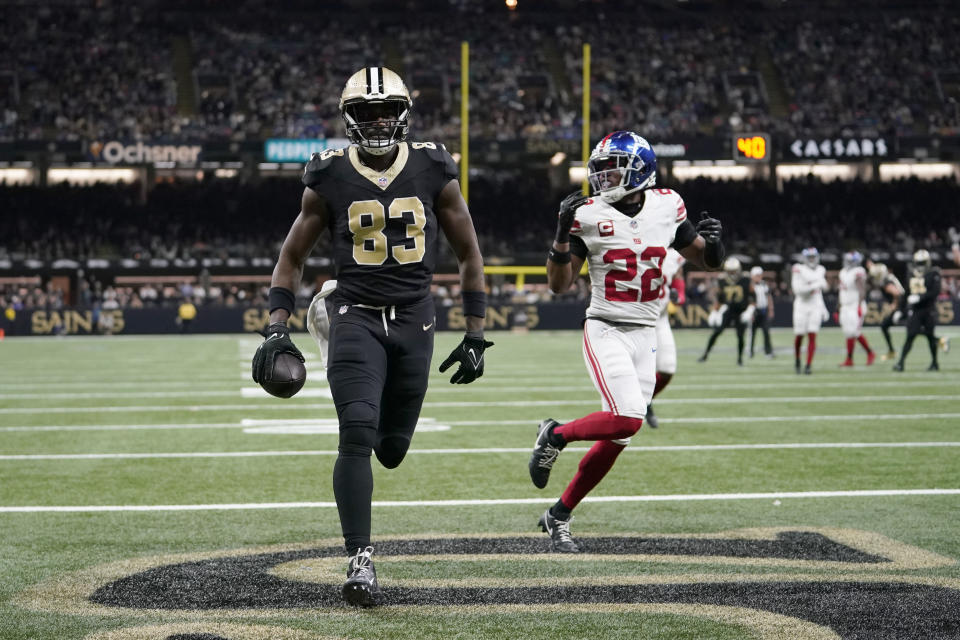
point(686, 234)
point(578, 247)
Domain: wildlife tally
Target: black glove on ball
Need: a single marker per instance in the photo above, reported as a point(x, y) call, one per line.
point(469, 353)
point(277, 341)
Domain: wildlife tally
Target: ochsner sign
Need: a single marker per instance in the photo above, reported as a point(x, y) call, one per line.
point(116, 152)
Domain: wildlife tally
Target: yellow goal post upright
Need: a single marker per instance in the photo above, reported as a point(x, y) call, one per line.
point(465, 120)
point(585, 143)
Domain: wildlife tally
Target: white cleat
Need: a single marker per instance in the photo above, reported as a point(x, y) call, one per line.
point(318, 322)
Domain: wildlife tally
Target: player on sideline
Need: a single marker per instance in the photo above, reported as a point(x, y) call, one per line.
point(735, 306)
point(384, 201)
point(892, 291)
point(853, 305)
point(921, 309)
point(808, 280)
point(624, 233)
point(672, 291)
point(763, 314)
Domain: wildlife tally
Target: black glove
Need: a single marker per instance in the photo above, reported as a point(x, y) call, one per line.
point(469, 353)
point(709, 228)
point(277, 341)
point(568, 208)
point(674, 295)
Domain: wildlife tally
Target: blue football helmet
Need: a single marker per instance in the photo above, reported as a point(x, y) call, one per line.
point(852, 259)
point(620, 164)
point(811, 256)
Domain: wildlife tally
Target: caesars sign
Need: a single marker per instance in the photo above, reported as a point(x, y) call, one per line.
point(839, 148)
point(115, 152)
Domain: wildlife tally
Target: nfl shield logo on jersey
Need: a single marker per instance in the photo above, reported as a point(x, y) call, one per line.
point(382, 181)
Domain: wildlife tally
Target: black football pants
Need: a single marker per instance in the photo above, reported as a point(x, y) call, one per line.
point(731, 317)
point(378, 368)
point(761, 322)
point(924, 322)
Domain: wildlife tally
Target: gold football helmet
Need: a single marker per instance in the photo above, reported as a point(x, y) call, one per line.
point(375, 106)
point(921, 262)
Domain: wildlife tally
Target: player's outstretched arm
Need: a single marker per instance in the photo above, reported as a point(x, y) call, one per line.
point(287, 273)
point(707, 249)
point(301, 238)
point(562, 266)
point(454, 218)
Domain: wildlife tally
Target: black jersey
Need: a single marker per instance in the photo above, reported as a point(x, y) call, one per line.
point(383, 225)
point(926, 287)
point(734, 293)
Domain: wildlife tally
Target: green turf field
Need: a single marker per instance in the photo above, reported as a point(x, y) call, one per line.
point(149, 490)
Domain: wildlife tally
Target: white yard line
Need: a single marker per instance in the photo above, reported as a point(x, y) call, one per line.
point(531, 422)
point(475, 451)
point(190, 391)
point(869, 493)
point(501, 403)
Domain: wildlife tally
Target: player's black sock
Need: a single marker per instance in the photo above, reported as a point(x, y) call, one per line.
point(886, 336)
point(353, 490)
point(560, 511)
point(907, 345)
point(934, 346)
point(555, 439)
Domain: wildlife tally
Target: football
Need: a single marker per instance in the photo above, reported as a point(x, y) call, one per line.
point(289, 374)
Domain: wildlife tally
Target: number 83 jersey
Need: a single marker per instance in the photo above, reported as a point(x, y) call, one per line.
point(625, 254)
point(383, 224)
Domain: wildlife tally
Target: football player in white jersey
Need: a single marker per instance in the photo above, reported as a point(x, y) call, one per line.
point(808, 280)
point(853, 305)
point(623, 233)
point(672, 291)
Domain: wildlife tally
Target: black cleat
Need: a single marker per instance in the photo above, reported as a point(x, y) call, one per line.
point(361, 588)
point(898, 366)
point(807, 370)
point(933, 367)
point(702, 358)
point(559, 530)
point(796, 365)
point(544, 454)
point(651, 419)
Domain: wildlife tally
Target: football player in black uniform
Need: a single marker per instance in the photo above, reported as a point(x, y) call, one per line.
point(892, 292)
point(384, 200)
point(921, 307)
point(734, 305)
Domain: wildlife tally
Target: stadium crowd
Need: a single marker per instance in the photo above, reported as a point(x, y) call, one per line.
point(154, 71)
point(224, 219)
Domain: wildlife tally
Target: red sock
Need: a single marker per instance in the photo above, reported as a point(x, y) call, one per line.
point(593, 467)
point(663, 379)
point(850, 343)
point(811, 347)
point(797, 342)
point(863, 342)
point(599, 425)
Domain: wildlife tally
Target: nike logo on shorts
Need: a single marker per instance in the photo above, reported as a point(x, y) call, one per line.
point(426, 327)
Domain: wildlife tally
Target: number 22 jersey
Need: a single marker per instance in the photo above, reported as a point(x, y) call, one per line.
point(625, 254)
